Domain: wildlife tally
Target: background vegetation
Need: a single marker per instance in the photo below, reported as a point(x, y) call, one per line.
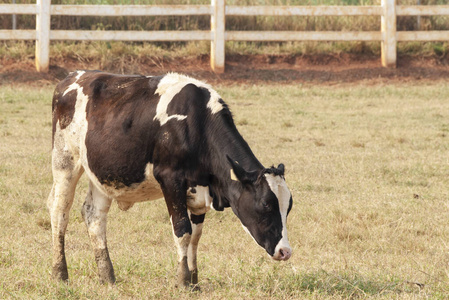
point(367, 165)
point(310, 23)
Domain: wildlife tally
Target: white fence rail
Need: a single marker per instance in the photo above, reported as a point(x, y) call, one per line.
point(218, 10)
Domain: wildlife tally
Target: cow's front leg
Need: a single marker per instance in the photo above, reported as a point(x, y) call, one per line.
point(94, 211)
point(197, 229)
point(174, 188)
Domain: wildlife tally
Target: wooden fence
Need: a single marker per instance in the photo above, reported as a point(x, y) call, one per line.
point(218, 10)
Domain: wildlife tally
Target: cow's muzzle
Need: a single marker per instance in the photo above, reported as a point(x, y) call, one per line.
point(283, 253)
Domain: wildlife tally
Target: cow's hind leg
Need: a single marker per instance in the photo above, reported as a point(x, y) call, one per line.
point(94, 211)
point(197, 229)
point(66, 173)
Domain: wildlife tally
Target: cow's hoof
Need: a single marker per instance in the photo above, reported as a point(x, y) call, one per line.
point(107, 280)
point(184, 275)
point(105, 269)
point(194, 276)
point(188, 286)
point(195, 288)
point(106, 276)
point(60, 272)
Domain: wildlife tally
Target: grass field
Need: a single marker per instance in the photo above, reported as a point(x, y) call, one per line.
point(368, 167)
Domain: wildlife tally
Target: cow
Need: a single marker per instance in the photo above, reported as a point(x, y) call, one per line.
point(141, 138)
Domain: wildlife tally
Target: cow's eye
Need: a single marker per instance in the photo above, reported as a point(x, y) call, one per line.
point(267, 207)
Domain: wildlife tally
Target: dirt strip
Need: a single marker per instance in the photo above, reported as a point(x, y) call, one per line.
point(254, 69)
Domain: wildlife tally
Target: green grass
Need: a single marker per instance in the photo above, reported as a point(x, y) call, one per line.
point(367, 166)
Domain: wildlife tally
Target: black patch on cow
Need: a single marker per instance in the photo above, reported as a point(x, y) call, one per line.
point(120, 116)
point(182, 226)
point(197, 219)
point(279, 171)
point(181, 142)
point(290, 205)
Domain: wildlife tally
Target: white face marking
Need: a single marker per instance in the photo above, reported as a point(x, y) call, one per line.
point(280, 189)
point(171, 85)
point(247, 231)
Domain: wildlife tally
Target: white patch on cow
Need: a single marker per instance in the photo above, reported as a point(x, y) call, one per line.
point(170, 85)
point(214, 104)
point(147, 190)
point(199, 202)
point(94, 211)
point(182, 243)
point(279, 187)
point(197, 230)
point(75, 133)
point(75, 85)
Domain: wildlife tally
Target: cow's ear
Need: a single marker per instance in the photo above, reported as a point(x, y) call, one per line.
point(238, 173)
point(281, 168)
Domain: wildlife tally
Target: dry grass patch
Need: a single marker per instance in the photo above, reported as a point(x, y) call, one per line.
point(370, 207)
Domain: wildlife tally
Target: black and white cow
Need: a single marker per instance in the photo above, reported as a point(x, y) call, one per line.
point(142, 138)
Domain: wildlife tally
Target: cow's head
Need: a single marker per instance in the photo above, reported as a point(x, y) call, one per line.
point(263, 206)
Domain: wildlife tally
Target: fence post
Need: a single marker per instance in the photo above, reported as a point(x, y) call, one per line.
point(14, 18)
point(217, 51)
point(388, 27)
point(43, 35)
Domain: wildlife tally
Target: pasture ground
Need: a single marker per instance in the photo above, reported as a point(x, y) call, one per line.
point(331, 68)
point(367, 162)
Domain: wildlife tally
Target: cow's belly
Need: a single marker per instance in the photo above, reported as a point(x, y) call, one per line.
point(198, 197)
point(147, 190)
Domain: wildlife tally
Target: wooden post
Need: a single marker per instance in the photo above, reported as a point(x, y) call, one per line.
point(14, 18)
point(43, 35)
point(217, 51)
point(388, 27)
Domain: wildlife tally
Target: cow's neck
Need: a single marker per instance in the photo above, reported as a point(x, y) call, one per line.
point(228, 142)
